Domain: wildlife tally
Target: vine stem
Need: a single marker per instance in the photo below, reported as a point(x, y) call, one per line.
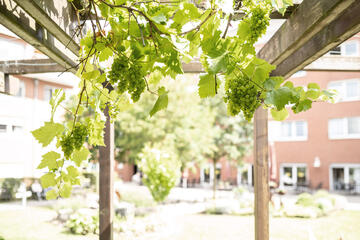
point(78, 105)
point(200, 24)
point(227, 26)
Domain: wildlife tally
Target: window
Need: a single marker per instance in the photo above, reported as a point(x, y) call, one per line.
point(288, 131)
point(345, 177)
point(21, 90)
point(293, 175)
point(48, 91)
point(343, 128)
point(17, 129)
point(300, 73)
point(335, 51)
point(347, 90)
point(350, 49)
point(346, 49)
point(2, 128)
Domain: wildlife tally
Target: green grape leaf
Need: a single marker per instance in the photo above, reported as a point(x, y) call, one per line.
point(328, 95)
point(273, 83)
point(161, 102)
point(207, 85)
point(52, 194)
point(49, 160)
point(46, 133)
point(96, 131)
point(91, 75)
point(313, 91)
point(105, 54)
point(279, 115)
point(302, 106)
point(160, 18)
point(73, 172)
point(191, 10)
point(258, 70)
point(281, 5)
point(280, 97)
point(313, 86)
point(57, 98)
point(80, 155)
point(155, 77)
point(65, 190)
point(48, 180)
point(218, 64)
point(87, 41)
point(243, 30)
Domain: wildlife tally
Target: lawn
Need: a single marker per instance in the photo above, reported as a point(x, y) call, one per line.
point(34, 223)
point(345, 224)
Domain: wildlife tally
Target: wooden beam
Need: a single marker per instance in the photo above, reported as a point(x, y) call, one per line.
point(60, 11)
point(17, 21)
point(339, 30)
point(261, 174)
point(30, 66)
point(308, 19)
point(106, 181)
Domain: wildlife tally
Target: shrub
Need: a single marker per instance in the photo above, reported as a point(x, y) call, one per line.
point(9, 187)
point(161, 172)
point(306, 200)
point(83, 222)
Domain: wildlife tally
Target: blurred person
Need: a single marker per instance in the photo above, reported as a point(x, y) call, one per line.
point(37, 189)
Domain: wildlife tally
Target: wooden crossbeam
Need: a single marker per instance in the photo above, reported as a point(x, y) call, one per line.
point(17, 21)
point(30, 66)
point(52, 24)
point(309, 18)
point(343, 27)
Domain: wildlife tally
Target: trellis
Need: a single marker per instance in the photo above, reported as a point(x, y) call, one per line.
point(312, 28)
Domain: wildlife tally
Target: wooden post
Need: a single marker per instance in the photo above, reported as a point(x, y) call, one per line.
point(106, 181)
point(261, 172)
point(6, 83)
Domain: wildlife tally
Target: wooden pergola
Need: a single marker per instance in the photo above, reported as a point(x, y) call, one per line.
point(311, 29)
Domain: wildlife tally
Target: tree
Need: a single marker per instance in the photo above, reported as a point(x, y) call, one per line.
point(232, 138)
point(185, 127)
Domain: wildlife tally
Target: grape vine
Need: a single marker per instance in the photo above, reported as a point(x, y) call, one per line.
point(132, 45)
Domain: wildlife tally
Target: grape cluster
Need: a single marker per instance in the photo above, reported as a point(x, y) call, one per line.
point(259, 21)
point(74, 140)
point(241, 95)
point(79, 135)
point(259, 18)
point(67, 145)
point(128, 76)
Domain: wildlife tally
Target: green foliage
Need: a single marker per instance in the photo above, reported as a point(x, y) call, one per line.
point(161, 102)
point(161, 172)
point(82, 222)
point(9, 188)
point(185, 128)
point(146, 42)
point(49, 160)
point(47, 133)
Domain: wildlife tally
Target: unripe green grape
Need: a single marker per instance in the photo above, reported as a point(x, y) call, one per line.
point(241, 96)
point(67, 145)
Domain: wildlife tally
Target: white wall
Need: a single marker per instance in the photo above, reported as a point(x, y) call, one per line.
point(19, 151)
